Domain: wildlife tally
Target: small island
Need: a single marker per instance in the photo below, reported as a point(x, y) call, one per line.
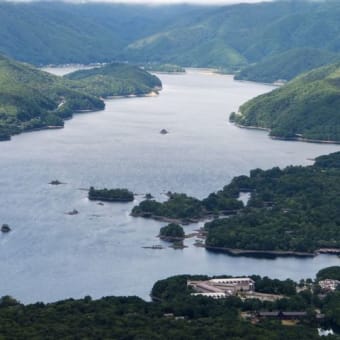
point(110, 195)
point(56, 182)
point(72, 212)
point(172, 232)
point(5, 228)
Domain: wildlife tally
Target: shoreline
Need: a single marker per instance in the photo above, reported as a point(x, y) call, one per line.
point(271, 253)
point(288, 139)
point(154, 93)
point(170, 220)
point(184, 221)
point(274, 84)
point(168, 73)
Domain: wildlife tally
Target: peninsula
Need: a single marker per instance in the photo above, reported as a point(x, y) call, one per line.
point(32, 99)
point(294, 211)
point(305, 109)
point(180, 208)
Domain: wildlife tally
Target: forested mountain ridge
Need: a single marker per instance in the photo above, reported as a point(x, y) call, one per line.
point(58, 32)
point(221, 38)
point(227, 37)
point(306, 108)
point(287, 65)
point(33, 99)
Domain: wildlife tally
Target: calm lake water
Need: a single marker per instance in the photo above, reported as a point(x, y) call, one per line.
point(50, 255)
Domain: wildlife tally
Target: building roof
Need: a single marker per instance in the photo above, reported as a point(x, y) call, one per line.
point(232, 279)
point(283, 314)
point(208, 288)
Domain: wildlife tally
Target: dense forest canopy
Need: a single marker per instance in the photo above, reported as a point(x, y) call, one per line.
point(294, 209)
point(175, 315)
point(110, 195)
point(307, 107)
point(185, 208)
point(291, 210)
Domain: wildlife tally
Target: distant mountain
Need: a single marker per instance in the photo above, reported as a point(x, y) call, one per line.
point(276, 35)
point(313, 24)
point(308, 107)
point(59, 32)
point(286, 66)
point(219, 38)
point(32, 99)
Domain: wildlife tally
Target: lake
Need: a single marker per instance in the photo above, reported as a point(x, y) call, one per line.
point(50, 255)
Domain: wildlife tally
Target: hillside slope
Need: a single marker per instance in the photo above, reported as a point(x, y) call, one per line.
point(308, 107)
point(286, 66)
point(32, 99)
point(217, 39)
point(59, 32)
point(114, 80)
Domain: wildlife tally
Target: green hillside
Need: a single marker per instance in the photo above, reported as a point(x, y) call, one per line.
point(227, 37)
point(310, 24)
point(307, 107)
point(114, 80)
point(60, 32)
point(194, 47)
point(32, 99)
point(232, 36)
point(286, 66)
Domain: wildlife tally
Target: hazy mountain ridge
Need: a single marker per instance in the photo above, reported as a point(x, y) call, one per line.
point(225, 36)
point(287, 65)
point(57, 33)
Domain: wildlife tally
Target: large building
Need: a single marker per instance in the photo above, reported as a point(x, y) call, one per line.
point(243, 287)
point(220, 288)
point(244, 284)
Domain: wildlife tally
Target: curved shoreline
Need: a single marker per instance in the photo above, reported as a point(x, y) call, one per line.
point(154, 93)
point(271, 253)
point(184, 221)
point(289, 139)
point(170, 220)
